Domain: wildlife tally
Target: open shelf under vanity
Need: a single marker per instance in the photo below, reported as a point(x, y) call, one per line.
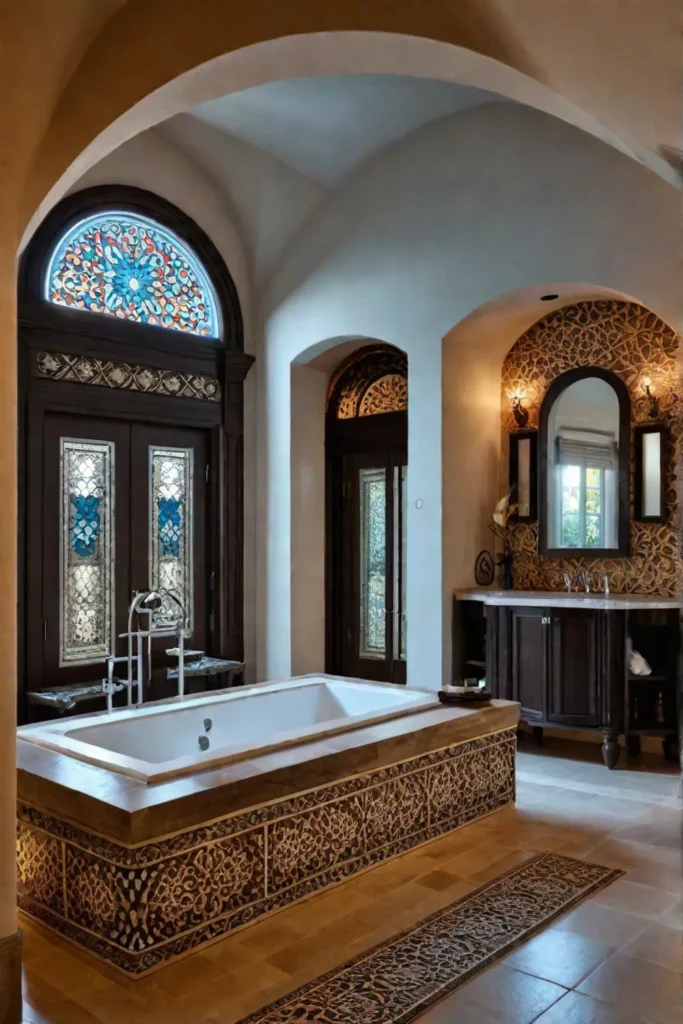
point(651, 702)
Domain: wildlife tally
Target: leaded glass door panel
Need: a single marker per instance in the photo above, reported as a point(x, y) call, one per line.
point(79, 553)
point(169, 522)
point(373, 566)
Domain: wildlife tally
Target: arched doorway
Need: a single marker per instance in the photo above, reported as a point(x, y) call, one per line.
point(367, 454)
point(130, 465)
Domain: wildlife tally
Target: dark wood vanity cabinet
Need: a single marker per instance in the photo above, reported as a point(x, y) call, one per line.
point(568, 663)
point(564, 665)
point(573, 694)
point(527, 653)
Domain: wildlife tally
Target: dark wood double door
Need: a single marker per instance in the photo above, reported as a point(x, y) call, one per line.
point(113, 542)
point(369, 566)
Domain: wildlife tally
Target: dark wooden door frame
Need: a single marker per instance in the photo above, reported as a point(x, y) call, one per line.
point(386, 432)
point(44, 327)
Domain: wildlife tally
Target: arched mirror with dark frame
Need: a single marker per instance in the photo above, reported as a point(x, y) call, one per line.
point(131, 370)
point(584, 465)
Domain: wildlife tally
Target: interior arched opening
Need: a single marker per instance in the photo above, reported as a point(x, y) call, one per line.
point(366, 443)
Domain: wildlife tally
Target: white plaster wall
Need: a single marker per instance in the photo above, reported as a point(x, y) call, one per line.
point(309, 390)
point(485, 203)
point(270, 199)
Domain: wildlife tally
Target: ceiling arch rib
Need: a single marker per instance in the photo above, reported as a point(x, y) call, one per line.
point(103, 110)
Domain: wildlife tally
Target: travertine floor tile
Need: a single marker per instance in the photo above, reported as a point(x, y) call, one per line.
point(510, 860)
point(575, 1008)
point(660, 944)
point(438, 879)
point(673, 918)
point(452, 1011)
point(639, 987)
point(603, 924)
point(506, 995)
point(641, 900)
point(559, 956)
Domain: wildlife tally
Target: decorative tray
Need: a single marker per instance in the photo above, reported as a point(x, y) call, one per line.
point(477, 696)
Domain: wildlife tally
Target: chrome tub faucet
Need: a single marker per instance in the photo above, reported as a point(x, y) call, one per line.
point(165, 618)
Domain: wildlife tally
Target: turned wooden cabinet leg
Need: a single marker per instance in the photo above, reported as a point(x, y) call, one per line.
point(610, 749)
point(537, 733)
point(633, 746)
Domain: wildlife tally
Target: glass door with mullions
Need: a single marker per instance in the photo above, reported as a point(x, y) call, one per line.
point(373, 566)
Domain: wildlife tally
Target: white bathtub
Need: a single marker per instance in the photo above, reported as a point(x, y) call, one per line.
point(160, 741)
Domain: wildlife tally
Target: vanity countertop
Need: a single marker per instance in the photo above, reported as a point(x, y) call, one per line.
point(560, 598)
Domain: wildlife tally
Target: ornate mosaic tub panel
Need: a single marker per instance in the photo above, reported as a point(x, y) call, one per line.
point(140, 907)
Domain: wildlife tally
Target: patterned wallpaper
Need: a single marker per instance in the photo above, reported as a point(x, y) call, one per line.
point(635, 344)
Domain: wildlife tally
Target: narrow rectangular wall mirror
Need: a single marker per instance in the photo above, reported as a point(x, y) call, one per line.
point(523, 460)
point(649, 481)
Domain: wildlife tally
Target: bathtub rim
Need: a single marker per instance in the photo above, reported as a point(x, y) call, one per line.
point(52, 735)
point(130, 812)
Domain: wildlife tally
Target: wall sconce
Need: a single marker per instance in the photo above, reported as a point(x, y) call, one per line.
point(518, 411)
point(648, 388)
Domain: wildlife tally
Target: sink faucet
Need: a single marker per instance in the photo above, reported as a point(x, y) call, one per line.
point(583, 579)
point(605, 583)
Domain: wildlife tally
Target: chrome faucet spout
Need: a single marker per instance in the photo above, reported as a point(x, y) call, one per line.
point(165, 615)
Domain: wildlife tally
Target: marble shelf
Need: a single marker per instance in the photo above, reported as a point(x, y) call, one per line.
point(562, 599)
point(208, 667)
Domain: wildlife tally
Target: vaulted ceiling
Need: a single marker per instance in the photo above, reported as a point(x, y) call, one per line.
point(611, 67)
point(325, 128)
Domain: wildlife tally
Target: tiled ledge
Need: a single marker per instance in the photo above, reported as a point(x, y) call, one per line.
point(125, 810)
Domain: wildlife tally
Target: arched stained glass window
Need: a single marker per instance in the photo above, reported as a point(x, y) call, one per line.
point(373, 380)
point(129, 266)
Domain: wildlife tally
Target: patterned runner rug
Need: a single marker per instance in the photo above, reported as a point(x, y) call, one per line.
point(397, 980)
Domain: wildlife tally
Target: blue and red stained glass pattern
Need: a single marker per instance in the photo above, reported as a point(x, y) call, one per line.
point(128, 266)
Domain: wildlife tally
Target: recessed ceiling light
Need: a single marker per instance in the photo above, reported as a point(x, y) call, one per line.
point(549, 298)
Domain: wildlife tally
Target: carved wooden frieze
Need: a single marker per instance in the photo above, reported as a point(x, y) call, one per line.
point(109, 374)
